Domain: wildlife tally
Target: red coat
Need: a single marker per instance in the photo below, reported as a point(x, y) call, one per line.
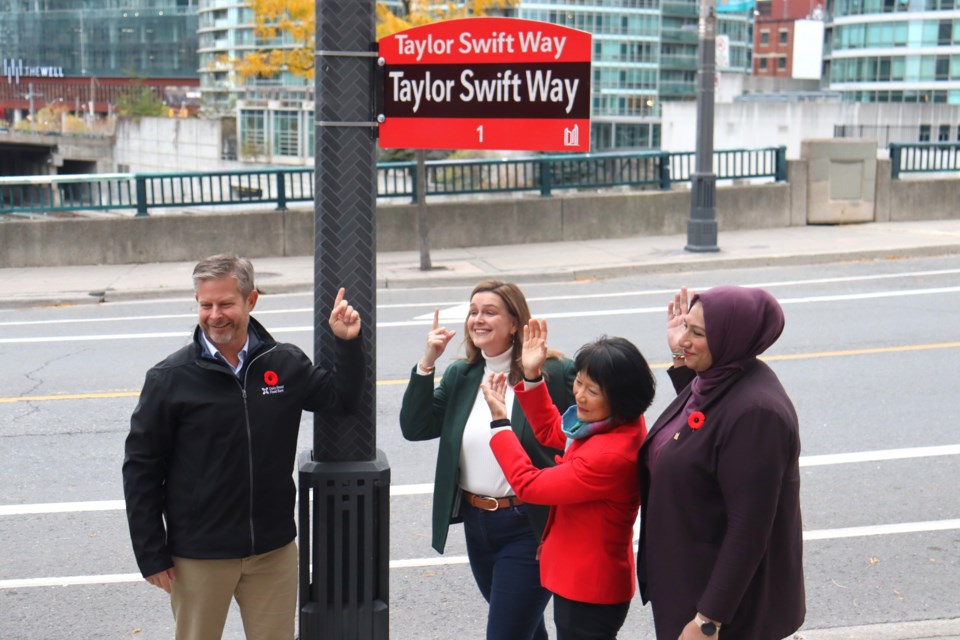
point(587, 549)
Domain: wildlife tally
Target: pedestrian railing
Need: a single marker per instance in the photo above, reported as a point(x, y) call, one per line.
point(543, 174)
point(923, 157)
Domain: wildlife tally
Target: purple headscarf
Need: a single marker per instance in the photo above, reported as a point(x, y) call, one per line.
point(740, 324)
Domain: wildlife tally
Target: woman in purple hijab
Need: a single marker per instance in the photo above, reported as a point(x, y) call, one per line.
point(721, 544)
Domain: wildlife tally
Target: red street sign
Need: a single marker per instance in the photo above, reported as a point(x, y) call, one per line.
point(487, 83)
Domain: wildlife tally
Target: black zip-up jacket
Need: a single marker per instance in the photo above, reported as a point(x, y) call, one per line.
point(208, 466)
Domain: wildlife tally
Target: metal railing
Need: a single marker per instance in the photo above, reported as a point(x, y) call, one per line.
point(923, 157)
point(544, 174)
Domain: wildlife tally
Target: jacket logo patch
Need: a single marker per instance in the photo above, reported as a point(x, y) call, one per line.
point(272, 380)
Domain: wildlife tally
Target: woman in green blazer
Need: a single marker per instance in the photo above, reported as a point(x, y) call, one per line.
point(502, 533)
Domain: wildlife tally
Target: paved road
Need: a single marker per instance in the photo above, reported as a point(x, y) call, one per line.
point(869, 356)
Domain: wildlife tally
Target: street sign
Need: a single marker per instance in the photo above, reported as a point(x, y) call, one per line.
point(487, 83)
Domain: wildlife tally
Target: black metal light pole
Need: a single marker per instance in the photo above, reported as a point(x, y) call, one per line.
point(702, 224)
point(344, 533)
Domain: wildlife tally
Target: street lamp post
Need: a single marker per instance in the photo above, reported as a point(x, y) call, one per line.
point(343, 531)
point(702, 224)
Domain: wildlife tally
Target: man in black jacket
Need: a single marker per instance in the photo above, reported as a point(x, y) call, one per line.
point(208, 470)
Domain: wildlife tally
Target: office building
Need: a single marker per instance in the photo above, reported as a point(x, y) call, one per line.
point(85, 53)
point(894, 50)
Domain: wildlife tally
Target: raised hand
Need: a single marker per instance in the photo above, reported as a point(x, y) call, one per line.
point(344, 319)
point(437, 341)
point(495, 393)
point(676, 313)
point(534, 352)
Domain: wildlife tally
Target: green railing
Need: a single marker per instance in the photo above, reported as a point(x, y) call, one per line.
point(544, 174)
point(923, 157)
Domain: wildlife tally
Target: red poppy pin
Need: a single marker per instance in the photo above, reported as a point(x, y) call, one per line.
point(696, 420)
point(270, 377)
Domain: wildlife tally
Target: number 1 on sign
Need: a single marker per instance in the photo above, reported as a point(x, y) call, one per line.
point(480, 132)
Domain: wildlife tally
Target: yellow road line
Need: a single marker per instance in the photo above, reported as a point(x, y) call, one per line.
point(792, 356)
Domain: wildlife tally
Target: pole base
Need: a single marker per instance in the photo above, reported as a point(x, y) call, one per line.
point(701, 236)
point(344, 549)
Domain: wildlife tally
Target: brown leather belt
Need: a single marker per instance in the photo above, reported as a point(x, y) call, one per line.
point(490, 504)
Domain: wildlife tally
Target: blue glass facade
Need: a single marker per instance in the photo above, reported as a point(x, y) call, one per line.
point(895, 50)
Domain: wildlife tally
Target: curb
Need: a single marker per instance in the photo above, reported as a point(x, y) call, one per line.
point(919, 630)
point(678, 266)
point(439, 279)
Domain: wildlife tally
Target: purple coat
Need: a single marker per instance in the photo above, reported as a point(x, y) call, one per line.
point(720, 524)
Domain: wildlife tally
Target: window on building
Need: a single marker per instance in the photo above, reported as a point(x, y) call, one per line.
point(763, 64)
point(924, 133)
point(942, 68)
point(784, 36)
point(764, 37)
point(781, 63)
point(252, 132)
point(883, 71)
point(286, 133)
point(943, 133)
point(945, 32)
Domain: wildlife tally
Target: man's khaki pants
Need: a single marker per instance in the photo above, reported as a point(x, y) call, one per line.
point(264, 585)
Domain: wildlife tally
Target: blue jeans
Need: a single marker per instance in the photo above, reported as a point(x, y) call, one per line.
point(503, 557)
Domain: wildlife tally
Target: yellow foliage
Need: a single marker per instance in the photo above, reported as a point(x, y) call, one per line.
point(286, 21)
point(294, 22)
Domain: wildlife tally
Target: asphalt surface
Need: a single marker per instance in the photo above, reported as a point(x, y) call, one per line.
point(24, 287)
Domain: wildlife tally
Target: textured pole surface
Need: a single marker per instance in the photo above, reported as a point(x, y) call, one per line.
point(702, 224)
point(344, 520)
point(345, 207)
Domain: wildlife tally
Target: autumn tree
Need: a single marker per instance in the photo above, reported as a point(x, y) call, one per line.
point(140, 101)
point(287, 28)
point(291, 24)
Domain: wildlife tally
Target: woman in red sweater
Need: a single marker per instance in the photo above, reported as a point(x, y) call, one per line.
point(586, 555)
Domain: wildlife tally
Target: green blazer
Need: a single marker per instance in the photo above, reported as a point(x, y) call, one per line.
point(429, 413)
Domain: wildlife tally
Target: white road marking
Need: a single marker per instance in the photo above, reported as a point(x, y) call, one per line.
point(118, 505)
point(875, 456)
point(427, 322)
point(416, 563)
point(427, 487)
point(882, 530)
point(458, 309)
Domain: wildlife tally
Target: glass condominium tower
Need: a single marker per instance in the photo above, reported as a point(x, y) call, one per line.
point(103, 38)
point(644, 53)
point(626, 39)
point(894, 50)
point(227, 34)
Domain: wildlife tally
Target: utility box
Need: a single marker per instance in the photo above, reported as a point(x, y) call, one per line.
point(841, 180)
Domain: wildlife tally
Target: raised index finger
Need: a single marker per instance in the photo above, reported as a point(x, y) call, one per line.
point(436, 318)
point(336, 303)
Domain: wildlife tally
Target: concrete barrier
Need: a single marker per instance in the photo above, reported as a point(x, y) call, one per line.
point(582, 216)
point(173, 237)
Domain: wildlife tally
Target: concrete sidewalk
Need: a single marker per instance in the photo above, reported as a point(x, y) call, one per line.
point(521, 263)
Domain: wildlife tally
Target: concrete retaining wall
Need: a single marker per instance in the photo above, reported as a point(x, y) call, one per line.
point(172, 237)
point(162, 238)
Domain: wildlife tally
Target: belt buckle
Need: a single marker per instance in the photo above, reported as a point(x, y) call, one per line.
point(496, 503)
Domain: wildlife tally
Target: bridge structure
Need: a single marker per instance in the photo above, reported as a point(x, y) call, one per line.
point(30, 153)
